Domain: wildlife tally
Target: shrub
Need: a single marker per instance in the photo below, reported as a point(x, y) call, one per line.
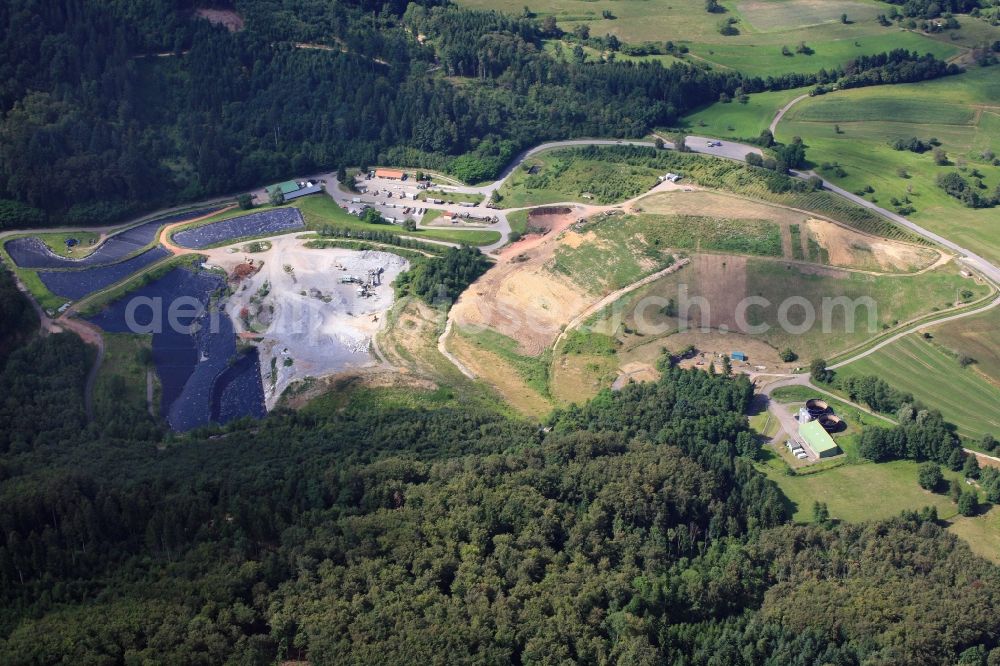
point(929, 476)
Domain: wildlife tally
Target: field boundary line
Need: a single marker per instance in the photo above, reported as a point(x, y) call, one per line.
point(615, 295)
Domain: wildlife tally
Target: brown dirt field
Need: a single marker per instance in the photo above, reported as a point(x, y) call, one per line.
point(346, 381)
point(232, 21)
point(723, 281)
point(577, 378)
point(522, 299)
point(553, 223)
point(851, 249)
point(495, 371)
point(635, 372)
point(410, 343)
point(716, 204)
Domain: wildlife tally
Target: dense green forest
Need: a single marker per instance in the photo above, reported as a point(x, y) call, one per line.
point(108, 108)
point(633, 529)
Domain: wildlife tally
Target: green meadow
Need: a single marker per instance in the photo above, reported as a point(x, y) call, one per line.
point(766, 58)
point(935, 378)
point(734, 120)
point(960, 112)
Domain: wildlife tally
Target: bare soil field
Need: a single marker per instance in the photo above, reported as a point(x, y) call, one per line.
point(714, 204)
point(232, 21)
point(521, 298)
point(545, 225)
point(821, 241)
point(850, 249)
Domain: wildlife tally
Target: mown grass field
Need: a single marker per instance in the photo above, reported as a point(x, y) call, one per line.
point(56, 241)
point(977, 337)
point(962, 112)
point(857, 492)
point(982, 532)
point(935, 378)
point(764, 58)
point(740, 121)
point(562, 176)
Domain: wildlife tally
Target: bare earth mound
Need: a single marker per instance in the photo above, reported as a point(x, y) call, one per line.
point(521, 298)
point(851, 249)
point(232, 21)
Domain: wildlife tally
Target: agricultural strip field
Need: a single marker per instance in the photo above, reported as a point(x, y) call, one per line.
point(75, 285)
point(961, 112)
point(936, 379)
point(804, 237)
point(977, 337)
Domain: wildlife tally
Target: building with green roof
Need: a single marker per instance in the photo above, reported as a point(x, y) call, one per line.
point(286, 187)
point(818, 439)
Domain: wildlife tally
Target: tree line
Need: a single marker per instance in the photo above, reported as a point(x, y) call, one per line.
point(102, 130)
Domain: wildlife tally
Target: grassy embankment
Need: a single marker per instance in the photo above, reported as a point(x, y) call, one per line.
point(613, 176)
point(977, 337)
point(56, 242)
point(121, 380)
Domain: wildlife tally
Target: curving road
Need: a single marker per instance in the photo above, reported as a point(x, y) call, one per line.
point(782, 111)
point(725, 149)
point(968, 256)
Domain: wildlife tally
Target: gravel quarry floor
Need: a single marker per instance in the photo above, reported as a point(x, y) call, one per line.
point(309, 322)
